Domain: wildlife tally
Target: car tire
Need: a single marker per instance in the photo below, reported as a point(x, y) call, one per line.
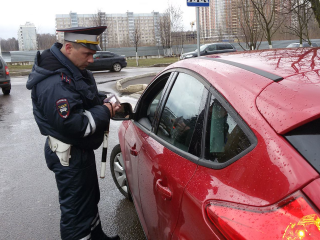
point(116, 67)
point(6, 91)
point(118, 172)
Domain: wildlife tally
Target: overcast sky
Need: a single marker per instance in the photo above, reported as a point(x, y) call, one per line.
point(42, 13)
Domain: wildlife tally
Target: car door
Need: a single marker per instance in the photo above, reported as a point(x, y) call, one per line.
point(226, 140)
point(134, 137)
point(108, 61)
point(167, 155)
point(211, 49)
point(96, 62)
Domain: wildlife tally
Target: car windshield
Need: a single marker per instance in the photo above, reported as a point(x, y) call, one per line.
point(203, 47)
point(306, 140)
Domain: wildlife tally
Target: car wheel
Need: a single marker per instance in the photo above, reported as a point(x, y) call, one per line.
point(118, 172)
point(116, 67)
point(6, 91)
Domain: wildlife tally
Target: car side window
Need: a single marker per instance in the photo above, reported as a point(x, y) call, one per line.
point(224, 137)
point(149, 102)
point(181, 111)
point(211, 48)
point(152, 108)
point(227, 46)
point(107, 55)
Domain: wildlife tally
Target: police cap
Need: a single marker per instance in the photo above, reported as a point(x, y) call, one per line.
point(87, 37)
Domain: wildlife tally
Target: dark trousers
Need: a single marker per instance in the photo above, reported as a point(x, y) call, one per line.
point(79, 194)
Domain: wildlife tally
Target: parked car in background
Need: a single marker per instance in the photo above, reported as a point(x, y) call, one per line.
point(5, 81)
point(304, 44)
point(226, 147)
point(210, 48)
point(104, 60)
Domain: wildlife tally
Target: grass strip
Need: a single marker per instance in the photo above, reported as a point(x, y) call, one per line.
point(131, 63)
point(151, 61)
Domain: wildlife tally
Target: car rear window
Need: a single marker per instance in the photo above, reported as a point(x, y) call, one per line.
point(224, 137)
point(1, 65)
point(224, 46)
point(306, 140)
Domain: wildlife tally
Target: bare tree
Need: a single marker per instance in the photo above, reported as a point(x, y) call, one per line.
point(99, 19)
point(183, 39)
point(170, 21)
point(112, 34)
point(269, 18)
point(248, 30)
point(10, 44)
point(300, 13)
point(165, 31)
point(45, 40)
point(137, 36)
point(220, 32)
point(315, 5)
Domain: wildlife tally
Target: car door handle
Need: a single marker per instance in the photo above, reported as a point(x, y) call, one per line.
point(133, 150)
point(165, 191)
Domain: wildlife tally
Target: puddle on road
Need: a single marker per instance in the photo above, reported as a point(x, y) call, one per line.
point(1, 112)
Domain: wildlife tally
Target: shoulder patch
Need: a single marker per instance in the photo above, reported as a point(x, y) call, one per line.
point(65, 78)
point(63, 108)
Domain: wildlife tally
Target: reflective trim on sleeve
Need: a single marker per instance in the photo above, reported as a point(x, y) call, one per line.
point(96, 224)
point(88, 130)
point(95, 219)
point(91, 128)
point(86, 237)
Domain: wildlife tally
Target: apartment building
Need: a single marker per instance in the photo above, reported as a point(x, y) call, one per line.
point(81, 20)
point(218, 20)
point(221, 20)
point(27, 37)
point(120, 27)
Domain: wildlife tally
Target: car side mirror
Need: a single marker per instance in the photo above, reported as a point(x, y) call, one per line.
point(124, 113)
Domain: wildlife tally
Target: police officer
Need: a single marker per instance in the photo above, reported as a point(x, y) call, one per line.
point(70, 112)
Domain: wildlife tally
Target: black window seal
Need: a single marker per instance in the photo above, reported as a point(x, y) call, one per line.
point(141, 127)
point(137, 110)
point(167, 145)
point(166, 91)
point(164, 99)
point(260, 72)
point(237, 118)
point(176, 150)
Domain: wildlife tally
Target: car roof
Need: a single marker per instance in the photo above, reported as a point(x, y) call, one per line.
point(217, 43)
point(283, 84)
point(104, 52)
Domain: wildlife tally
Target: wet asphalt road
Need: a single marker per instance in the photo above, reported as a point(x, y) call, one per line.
point(29, 207)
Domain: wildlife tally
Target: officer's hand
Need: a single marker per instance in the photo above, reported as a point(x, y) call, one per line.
point(113, 107)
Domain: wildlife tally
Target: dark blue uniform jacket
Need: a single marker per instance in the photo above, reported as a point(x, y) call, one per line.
point(60, 95)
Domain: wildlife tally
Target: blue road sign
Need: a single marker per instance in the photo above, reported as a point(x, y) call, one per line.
point(198, 3)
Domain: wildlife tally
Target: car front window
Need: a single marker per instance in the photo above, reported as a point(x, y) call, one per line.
point(182, 109)
point(153, 106)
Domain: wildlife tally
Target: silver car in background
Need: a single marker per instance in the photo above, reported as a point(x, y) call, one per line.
point(210, 48)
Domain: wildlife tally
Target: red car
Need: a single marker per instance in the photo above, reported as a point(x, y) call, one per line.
point(226, 147)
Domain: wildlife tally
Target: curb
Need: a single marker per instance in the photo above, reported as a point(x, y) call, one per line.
point(133, 88)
